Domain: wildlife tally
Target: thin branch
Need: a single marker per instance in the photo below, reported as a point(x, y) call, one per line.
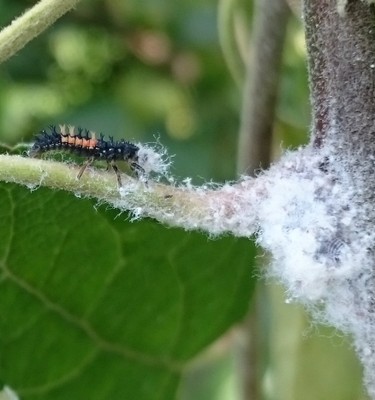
point(257, 121)
point(31, 24)
point(260, 91)
point(228, 12)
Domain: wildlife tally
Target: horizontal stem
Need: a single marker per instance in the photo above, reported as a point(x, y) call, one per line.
point(214, 210)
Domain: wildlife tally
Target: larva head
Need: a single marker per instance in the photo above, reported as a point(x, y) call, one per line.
point(34, 151)
point(129, 150)
point(44, 142)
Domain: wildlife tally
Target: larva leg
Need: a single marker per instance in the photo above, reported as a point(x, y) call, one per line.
point(139, 171)
point(84, 166)
point(115, 168)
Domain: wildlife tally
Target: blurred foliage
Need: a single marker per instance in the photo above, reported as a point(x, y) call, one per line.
point(144, 71)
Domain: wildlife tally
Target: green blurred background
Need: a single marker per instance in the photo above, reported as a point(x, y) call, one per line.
point(145, 70)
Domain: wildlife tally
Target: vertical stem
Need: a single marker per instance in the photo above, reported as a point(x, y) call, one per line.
point(254, 151)
point(260, 91)
point(341, 51)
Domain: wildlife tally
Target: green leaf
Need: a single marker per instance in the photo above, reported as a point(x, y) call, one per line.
point(93, 306)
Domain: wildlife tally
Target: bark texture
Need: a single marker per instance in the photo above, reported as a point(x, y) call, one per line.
point(341, 51)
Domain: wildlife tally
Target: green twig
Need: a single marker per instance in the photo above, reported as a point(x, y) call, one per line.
point(32, 23)
point(261, 87)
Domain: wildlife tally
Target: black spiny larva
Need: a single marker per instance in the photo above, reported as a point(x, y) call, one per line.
point(84, 143)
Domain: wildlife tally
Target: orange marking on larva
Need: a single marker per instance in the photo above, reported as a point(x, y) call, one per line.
point(92, 143)
point(71, 140)
point(78, 142)
point(86, 143)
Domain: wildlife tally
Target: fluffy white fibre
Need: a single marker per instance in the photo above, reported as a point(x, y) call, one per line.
point(154, 159)
point(308, 222)
point(314, 223)
point(304, 210)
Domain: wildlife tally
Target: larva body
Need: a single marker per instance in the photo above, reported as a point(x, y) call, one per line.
point(84, 143)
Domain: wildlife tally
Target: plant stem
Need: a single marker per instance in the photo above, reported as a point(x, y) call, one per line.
point(341, 51)
point(29, 25)
point(254, 151)
point(215, 211)
point(260, 91)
